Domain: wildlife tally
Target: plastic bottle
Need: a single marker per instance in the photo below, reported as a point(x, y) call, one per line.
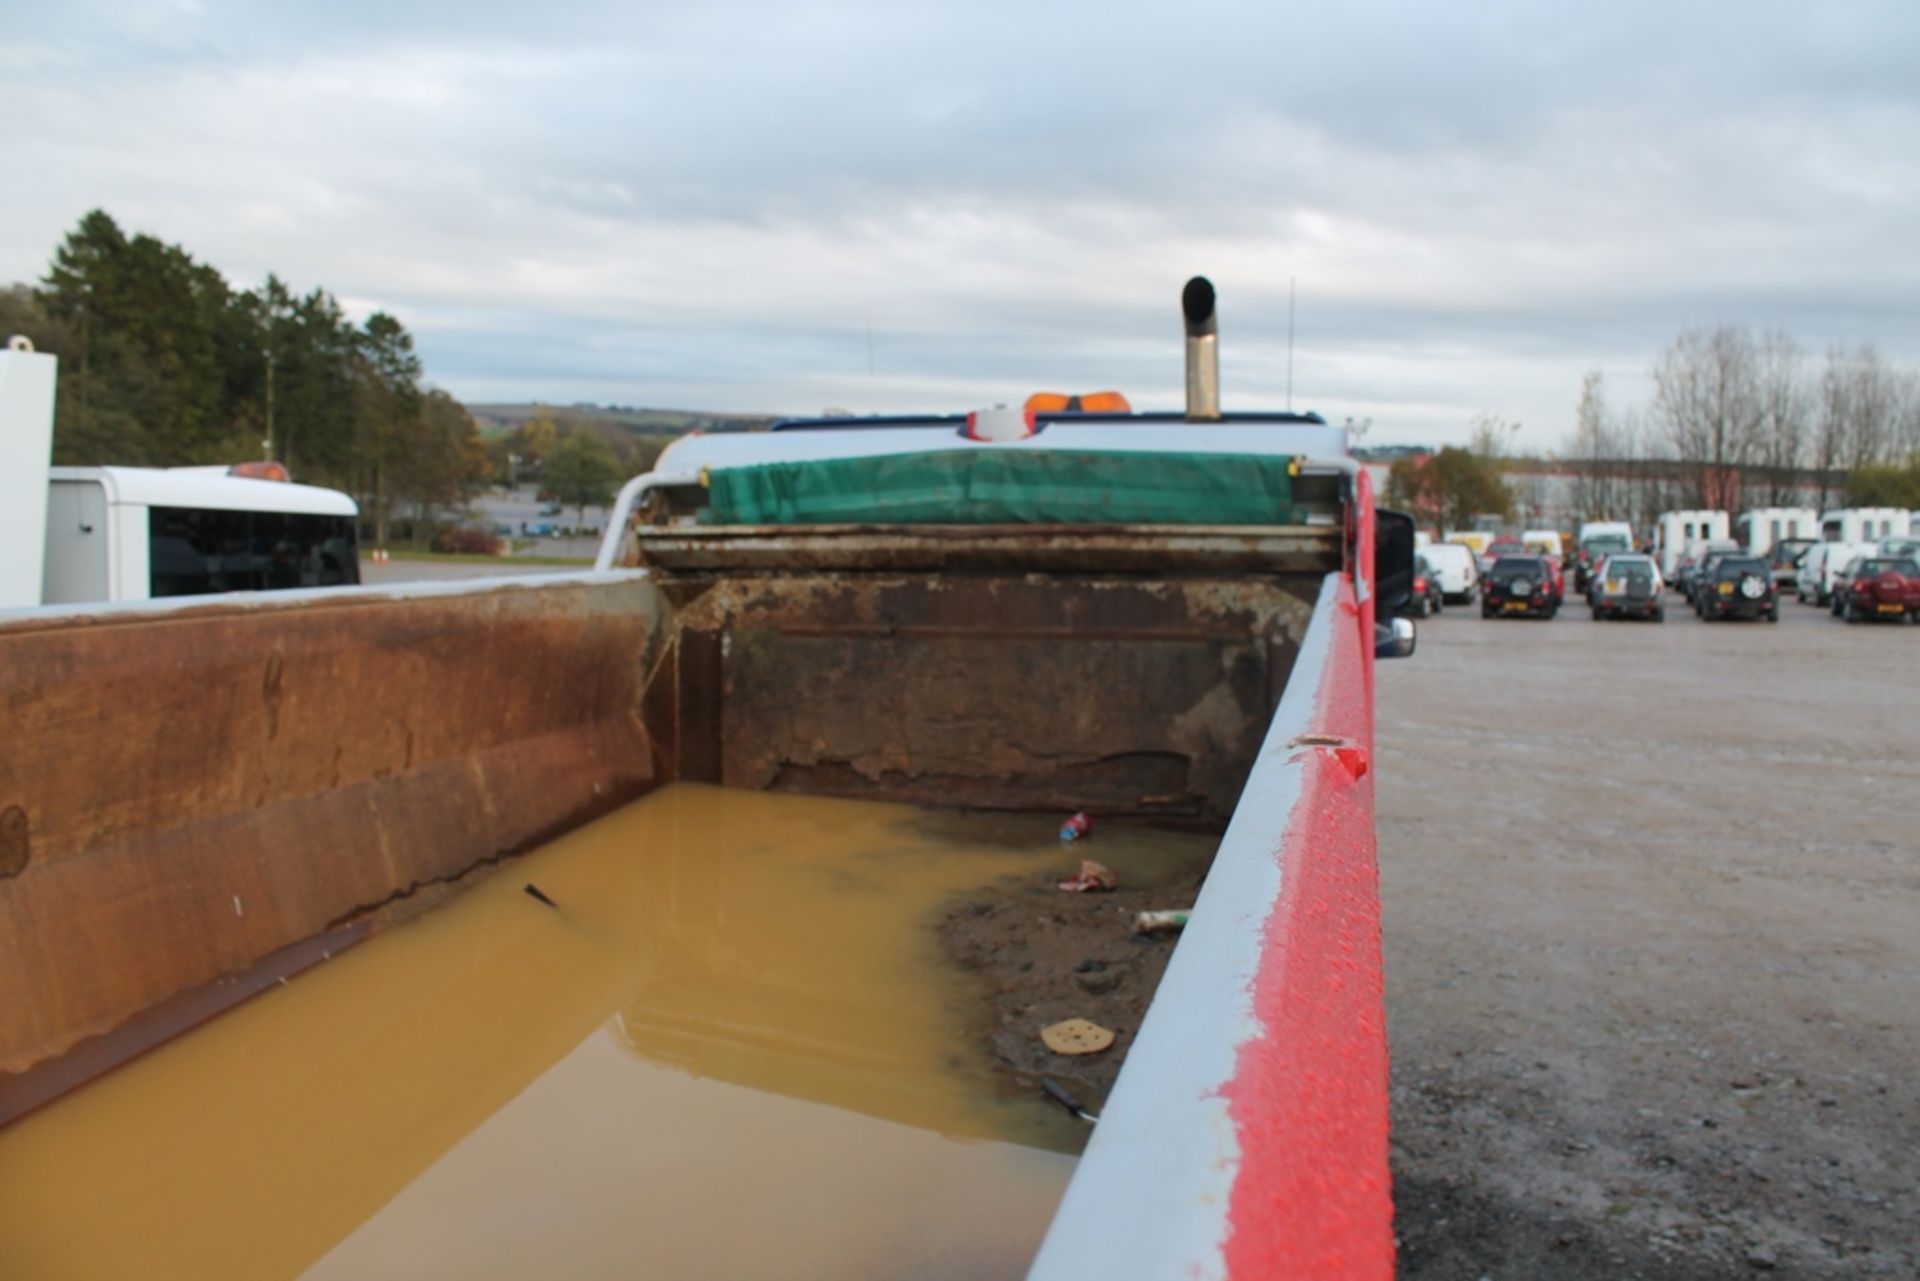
point(1076, 827)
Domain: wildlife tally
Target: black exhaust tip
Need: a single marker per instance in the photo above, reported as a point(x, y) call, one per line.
point(1196, 302)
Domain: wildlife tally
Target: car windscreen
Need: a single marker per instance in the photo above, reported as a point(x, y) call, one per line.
point(1739, 566)
point(1874, 568)
point(1511, 567)
point(1601, 544)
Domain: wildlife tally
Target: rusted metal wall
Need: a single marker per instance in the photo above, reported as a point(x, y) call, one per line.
point(186, 792)
point(1127, 695)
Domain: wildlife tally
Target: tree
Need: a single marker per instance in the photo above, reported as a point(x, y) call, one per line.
point(1886, 484)
point(1448, 489)
point(1707, 403)
point(1782, 405)
point(388, 406)
point(581, 472)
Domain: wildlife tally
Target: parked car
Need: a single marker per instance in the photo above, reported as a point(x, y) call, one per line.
point(1696, 561)
point(1785, 556)
point(1878, 587)
point(1821, 566)
point(1427, 597)
point(1627, 586)
point(1501, 547)
point(1736, 586)
point(1519, 585)
point(1593, 549)
point(1456, 568)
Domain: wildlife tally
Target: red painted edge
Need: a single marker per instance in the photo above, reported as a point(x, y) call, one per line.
point(1308, 1099)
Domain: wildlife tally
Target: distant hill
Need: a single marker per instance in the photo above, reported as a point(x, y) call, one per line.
point(603, 420)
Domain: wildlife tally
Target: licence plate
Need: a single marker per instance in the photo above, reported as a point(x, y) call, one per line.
point(1516, 607)
point(1726, 589)
point(1892, 609)
point(1616, 587)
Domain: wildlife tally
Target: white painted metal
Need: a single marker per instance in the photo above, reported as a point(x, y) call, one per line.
point(1150, 1196)
point(79, 543)
point(194, 487)
point(26, 449)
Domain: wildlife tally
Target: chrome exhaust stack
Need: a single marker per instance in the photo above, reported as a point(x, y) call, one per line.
point(1203, 351)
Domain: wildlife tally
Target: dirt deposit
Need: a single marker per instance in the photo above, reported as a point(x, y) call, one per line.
point(1041, 955)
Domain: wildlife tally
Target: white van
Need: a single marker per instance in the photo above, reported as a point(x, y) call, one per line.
point(1813, 582)
point(1759, 529)
point(1454, 565)
point(1865, 524)
point(1676, 533)
point(1605, 529)
point(135, 533)
point(1544, 541)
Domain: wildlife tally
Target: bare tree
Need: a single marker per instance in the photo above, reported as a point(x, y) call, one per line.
point(1707, 406)
point(1832, 419)
point(1781, 392)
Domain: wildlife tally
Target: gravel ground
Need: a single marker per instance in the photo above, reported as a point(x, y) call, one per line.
point(1652, 948)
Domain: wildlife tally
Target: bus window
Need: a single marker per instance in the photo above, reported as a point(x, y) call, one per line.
point(196, 552)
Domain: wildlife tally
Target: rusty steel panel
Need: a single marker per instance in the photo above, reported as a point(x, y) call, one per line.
point(1037, 691)
point(1162, 550)
point(189, 791)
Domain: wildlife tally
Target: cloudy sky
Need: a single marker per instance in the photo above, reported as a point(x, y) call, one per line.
point(715, 205)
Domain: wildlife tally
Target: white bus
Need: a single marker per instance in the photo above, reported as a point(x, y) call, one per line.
point(137, 533)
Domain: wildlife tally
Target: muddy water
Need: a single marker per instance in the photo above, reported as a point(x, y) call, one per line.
point(731, 1051)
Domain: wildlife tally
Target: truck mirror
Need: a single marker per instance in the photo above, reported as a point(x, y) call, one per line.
point(1392, 560)
point(1395, 639)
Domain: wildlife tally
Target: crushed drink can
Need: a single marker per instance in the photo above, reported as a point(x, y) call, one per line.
point(1076, 827)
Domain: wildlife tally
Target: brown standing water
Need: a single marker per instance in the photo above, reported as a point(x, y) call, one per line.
point(733, 1050)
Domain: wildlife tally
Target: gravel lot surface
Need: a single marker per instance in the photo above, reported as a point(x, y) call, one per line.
point(1652, 947)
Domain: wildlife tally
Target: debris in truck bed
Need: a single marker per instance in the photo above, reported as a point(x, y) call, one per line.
point(1040, 958)
point(1076, 1036)
point(1091, 876)
point(1159, 922)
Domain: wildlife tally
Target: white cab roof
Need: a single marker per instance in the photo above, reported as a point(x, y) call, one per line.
point(193, 487)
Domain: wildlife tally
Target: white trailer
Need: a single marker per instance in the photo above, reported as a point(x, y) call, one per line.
point(1675, 533)
point(1865, 524)
point(1759, 529)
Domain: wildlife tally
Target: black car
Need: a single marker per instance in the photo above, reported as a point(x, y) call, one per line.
point(1591, 553)
point(1519, 585)
point(1736, 587)
point(1427, 597)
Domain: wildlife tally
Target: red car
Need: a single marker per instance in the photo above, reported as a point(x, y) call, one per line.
point(1879, 587)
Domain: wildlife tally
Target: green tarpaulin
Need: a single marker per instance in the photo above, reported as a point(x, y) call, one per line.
point(1008, 486)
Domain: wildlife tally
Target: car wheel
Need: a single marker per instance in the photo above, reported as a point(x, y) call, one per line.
point(1852, 614)
point(1773, 612)
point(1485, 612)
point(1596, 613)
point(1659, 615)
